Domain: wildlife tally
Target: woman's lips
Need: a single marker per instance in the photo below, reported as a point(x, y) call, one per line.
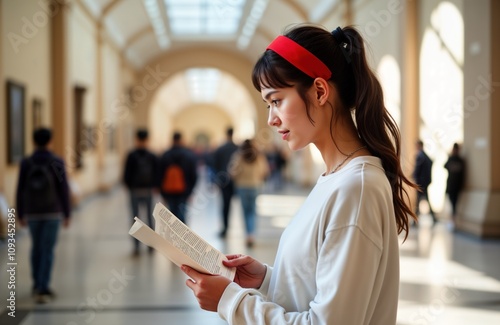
point(284, 134)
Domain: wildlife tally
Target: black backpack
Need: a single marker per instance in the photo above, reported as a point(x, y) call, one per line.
point(40, 190)
point(143, 174)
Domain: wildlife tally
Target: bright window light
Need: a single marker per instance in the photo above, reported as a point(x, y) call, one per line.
point(203, 84)
point(204, 17)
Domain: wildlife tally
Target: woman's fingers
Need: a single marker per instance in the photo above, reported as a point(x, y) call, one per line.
point(233, 256)
point(192, 273)
point(237, 260)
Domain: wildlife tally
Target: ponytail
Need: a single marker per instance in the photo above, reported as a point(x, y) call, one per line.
point(377, 129)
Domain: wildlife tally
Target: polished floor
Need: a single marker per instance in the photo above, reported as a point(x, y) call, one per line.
point(446, 277)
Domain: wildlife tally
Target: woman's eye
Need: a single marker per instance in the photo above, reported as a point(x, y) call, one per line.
point(274, 102)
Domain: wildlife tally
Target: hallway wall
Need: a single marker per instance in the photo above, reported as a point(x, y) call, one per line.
point(25, 27)
point(105, 115)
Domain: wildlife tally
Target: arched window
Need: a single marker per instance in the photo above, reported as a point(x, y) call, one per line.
point(441, 91)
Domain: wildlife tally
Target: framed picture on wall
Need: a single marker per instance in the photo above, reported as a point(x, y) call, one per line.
point(37, 113)
point(15, 122)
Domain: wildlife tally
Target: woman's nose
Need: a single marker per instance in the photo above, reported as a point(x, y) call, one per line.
point(272, 119)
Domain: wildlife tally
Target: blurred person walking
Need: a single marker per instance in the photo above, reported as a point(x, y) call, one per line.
point(221, 157)
point(422, 174)
point(139, 177)
point(43, 201)
point(178, 170)
point(455, 165)
point(249, 169)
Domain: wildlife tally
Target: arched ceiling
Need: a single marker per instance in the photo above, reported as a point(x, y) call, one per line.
point(146, 29)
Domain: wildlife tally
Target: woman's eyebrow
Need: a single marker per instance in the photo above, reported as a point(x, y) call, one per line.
point(269, 94)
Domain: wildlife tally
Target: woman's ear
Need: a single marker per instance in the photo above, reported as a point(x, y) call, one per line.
point(322, 90)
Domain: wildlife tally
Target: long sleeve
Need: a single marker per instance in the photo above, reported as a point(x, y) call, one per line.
point(20, 190)
point(127, 171)
point(347, 257)
point(337, 261)
point(64, 190)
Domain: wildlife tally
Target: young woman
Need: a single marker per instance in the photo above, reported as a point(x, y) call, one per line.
point(338, 259)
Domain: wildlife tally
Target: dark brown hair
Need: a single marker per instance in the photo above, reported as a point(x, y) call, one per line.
point(248, 151)
point(360, 92)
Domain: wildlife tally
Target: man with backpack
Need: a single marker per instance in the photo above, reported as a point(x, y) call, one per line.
point(42, 201)
point(178, 176)
point(140, 178)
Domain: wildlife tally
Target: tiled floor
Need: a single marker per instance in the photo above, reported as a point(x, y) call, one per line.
point(446, 278)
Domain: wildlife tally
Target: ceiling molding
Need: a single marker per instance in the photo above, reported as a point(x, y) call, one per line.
point(300, 11)
point(136, 36)
point(108, 8)
point(86, 10)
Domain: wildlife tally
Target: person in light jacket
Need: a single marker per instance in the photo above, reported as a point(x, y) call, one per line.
point(249, 169)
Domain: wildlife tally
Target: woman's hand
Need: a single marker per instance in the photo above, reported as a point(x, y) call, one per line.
point(208, 289)
point(250, 273)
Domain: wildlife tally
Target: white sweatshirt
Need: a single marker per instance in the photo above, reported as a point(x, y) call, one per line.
point(337, 260)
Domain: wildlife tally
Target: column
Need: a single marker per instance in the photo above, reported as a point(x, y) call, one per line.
point(61, 90)
point(479, 204)
point(100, 145)
point(410, 85)
point(348, 13)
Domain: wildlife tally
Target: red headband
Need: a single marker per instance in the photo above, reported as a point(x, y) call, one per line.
point(299, 57)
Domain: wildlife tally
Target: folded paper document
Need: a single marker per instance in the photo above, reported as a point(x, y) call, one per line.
point(180, 244)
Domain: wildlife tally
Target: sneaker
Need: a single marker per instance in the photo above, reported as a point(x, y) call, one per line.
point(42, 299)
point(250, 242)
point(44, 296)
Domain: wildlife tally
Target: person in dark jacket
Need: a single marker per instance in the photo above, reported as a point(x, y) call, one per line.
point(456, 177)
point(422, 174)
point(139, 177)
point(178, 176)
point(221, 157)
point(43, 201)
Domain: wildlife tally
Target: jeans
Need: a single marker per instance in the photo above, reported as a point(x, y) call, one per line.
point(248, 197)
point(177, 204)
point(138, 198)
point(227, 191)
point(424, 195)
point(44, 237)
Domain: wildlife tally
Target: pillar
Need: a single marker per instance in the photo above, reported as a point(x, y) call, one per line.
point(479, 205)
point(100, 145)
point(61, 90)
point(410, 85)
